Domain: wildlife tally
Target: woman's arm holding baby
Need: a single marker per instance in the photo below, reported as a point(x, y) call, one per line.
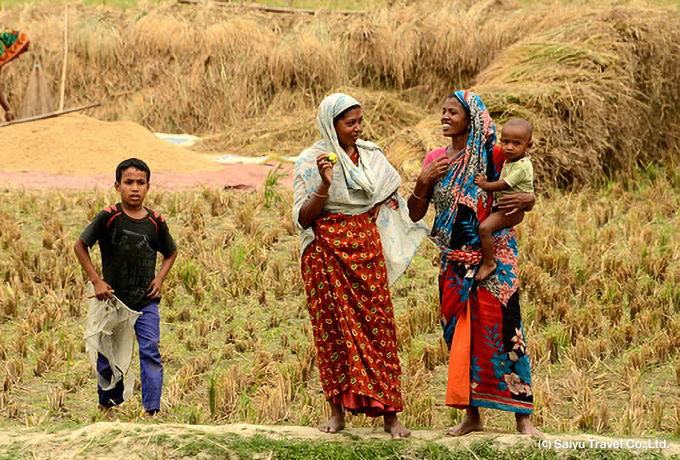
point(515, 202)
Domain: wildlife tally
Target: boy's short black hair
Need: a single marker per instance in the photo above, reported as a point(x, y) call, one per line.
point(132, 163)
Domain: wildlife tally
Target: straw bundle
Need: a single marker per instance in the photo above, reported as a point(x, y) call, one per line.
point(38, 98)
point(578, 73)
point(598, 89)
point(306, 58)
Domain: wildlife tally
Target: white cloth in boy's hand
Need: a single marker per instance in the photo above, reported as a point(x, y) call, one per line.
point(110, 330)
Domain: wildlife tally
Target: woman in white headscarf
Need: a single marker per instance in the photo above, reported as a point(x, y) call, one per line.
point(356, 240)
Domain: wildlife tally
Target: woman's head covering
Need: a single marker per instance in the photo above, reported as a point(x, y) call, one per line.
point(457, 184)
point(482, 136)
point(356, 189)
point(12, 44)
point(331, 107)
point(358, 177)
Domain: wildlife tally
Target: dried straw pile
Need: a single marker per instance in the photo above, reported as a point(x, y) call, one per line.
point(602, 89)
point(199, 69)
point(599, 82)
point(289, 125)
point(80, 145)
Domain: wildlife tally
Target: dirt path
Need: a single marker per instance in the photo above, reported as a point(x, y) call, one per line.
point(121, 441)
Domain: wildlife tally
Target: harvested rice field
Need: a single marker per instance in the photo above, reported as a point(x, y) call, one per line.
point(599, 254)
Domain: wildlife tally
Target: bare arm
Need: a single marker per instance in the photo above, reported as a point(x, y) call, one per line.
point(102, 290)
point(156, 285)
point(311, 210)
point(419, 200)
point(9, 115)
point(496, 186)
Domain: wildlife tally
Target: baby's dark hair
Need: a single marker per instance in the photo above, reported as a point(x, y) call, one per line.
point(132, 163)
point(342, 114)
point(521, 122)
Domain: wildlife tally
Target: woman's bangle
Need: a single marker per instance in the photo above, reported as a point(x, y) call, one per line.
point(416, 196)
point(320, 196)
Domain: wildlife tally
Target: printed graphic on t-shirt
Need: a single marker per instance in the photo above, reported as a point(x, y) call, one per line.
point(129, 247)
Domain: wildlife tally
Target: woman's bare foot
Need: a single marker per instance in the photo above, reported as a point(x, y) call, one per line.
point(336, 423)
point(471, 422)
point(394, 427)
point(525, 426)
point(485, 270)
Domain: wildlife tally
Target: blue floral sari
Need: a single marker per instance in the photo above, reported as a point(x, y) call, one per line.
point(488, 364)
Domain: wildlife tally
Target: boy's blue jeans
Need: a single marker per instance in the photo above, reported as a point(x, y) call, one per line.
point(148, 331)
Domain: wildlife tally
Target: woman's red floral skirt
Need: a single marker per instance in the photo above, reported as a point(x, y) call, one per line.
point(350, 306)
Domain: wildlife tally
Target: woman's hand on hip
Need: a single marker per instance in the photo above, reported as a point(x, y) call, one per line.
point(516, 202)
point(325, 168)
point(433, 170)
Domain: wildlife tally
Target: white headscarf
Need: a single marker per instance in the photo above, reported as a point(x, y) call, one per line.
point(358, 177)
point(355, 189)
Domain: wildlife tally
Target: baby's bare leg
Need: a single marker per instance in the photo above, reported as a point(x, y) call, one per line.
point(495, 221)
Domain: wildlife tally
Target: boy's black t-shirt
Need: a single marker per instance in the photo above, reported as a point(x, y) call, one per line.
point(128, 247)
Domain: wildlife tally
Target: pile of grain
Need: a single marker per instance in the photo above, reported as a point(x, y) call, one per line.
point(80, 145)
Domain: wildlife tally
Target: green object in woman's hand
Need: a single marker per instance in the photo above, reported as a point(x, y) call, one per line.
point(333, 158)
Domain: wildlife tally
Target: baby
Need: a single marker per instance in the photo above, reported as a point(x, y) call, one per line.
point(517, 176)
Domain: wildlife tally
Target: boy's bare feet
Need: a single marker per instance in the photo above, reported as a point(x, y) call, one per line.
point(525, 426)
point(107, 412)
point(394, 427)
point(485, 270)
point(471, 422)
point(150, 414)
point(336, 423)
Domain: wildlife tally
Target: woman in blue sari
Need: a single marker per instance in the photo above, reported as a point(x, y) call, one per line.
point(488, 364)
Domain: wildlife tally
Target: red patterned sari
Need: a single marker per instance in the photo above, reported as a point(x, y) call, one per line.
point(352, 318)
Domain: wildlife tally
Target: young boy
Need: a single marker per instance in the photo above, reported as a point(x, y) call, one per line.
point(517, 176)
point(129, 237)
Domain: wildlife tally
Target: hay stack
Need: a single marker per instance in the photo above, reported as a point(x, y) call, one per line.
point(290, 123)
point(602, 91)
point(38, 98)
point(199, 69)
point(407, 150)
point(600, 82)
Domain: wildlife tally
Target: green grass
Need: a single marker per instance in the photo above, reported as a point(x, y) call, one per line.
point(214, 446)
point(302, 450)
